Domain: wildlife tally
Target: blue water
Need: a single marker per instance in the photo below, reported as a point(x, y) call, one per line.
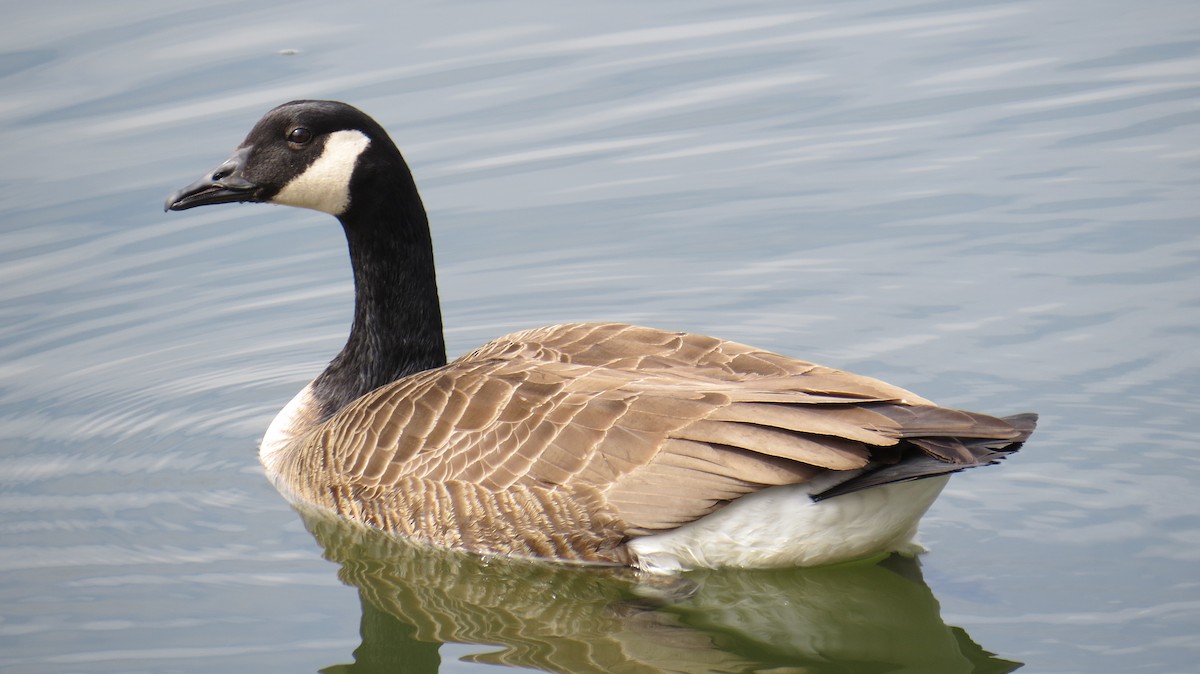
point(992, 204)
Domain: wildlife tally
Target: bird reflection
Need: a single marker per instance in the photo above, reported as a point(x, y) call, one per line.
point(868, 617)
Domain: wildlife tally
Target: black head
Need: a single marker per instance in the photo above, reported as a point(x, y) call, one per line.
point(302, 153)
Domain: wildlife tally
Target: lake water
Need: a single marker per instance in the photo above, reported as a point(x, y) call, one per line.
point(992, 203)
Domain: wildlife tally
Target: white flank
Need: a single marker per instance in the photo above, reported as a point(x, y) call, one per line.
point(782, 526)
point(325, 186)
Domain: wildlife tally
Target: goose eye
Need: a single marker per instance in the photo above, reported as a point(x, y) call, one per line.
point(299, 136)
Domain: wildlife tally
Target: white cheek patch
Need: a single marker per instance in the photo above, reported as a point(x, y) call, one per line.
point(325, 186)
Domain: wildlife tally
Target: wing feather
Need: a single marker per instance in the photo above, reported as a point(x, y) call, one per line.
point(853, 423)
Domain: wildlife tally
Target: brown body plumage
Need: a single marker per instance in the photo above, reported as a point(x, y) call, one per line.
point(564, 442)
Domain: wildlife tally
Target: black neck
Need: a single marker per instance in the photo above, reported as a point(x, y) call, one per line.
point(397, 328)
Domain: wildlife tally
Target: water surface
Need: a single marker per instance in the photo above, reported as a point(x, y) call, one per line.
point(993, 204)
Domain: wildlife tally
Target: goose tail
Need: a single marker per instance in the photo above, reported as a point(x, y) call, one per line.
point(938, 456)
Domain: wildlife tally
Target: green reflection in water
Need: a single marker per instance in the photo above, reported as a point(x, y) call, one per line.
point(876, 616)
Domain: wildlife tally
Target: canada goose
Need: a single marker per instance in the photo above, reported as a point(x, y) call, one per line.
point(594, 443)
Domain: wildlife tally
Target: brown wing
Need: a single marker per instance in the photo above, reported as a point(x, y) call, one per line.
point(639, 349)
point(614, 427)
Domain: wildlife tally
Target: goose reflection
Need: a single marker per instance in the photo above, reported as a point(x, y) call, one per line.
point(867, 617)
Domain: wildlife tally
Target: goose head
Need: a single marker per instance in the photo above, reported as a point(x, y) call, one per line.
point(309, 154)
point(331, 157)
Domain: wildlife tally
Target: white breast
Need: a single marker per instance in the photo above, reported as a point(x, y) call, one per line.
point(783, 526)
point(291, 420)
